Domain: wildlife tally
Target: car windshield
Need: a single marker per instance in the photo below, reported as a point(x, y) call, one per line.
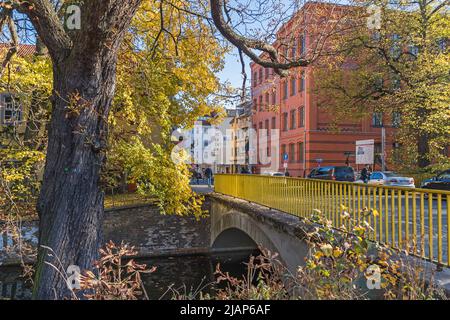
point(343, 170)
point(445, 175)
point(325, 170)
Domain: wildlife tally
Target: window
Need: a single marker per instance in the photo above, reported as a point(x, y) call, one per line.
point(324, 171)
point(255, 104)
point(260, 75)
point(274, 98)
point(255, 79)
point(301, 86)
point(283, 150)
point(444, 175)
point(442, 44)
point(267, 126)
point(377, 153)
point(260, 125)
point(260, 103)
point(285, 90)
point(301, 117)
point(266, 73)
point(293, 86)
point(313, 173)
point(378, 84)
point(413, 50)
point(376, 36)
point(377, 119)
point(395, 48)
point(396, 119)
point(376, 176)
point(302, 44)
point(395, 82)
point(292, 152)
point(292, 119)
point(285, 121)
point(12, 111)
point(274, 123)
point(267, 101)
point(294, 49)
point(300, 152)
point(396, 152)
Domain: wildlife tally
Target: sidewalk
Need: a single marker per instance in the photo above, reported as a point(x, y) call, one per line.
point(202, 189)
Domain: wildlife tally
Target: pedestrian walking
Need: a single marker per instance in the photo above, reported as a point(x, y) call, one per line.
point(198, 175)
point(365, 174)
point(208, 176)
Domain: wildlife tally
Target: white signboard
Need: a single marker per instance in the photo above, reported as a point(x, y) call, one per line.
point(364, 151)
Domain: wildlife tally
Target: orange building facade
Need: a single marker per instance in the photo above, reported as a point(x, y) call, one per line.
point(306, 132)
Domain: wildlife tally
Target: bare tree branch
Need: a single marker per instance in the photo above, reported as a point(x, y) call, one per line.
point(6, 16)
point(248, 45)
point(47, 24)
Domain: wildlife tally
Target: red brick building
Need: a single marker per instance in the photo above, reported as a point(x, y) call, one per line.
point(288, 104)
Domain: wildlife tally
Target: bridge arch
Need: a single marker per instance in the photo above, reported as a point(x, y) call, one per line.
point(235, 239)
point(233, 229)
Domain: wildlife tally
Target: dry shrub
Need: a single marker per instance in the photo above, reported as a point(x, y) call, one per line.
point(114, 278)
point(263, 280)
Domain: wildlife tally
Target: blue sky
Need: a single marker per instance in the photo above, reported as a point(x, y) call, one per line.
point(232, 70)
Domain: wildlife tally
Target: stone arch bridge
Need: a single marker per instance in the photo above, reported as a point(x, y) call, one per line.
point(240, 225)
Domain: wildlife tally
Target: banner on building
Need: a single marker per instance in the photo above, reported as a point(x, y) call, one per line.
point(364, 151)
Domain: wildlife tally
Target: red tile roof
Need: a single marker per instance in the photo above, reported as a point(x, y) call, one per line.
point(24, 49)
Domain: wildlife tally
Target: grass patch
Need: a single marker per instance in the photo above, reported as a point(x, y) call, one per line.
point(126, 199)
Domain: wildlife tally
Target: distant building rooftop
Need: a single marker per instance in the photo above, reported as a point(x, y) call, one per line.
point(24, 49)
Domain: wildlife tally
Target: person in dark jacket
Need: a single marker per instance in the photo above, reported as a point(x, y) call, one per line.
point(365, 174)
point(208, 175)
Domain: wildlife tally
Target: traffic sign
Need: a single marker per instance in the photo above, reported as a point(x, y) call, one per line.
point(285, 157)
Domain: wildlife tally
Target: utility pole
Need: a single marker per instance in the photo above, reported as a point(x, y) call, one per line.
point(383, 148)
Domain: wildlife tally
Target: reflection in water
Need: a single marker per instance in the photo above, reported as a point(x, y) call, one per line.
point(184, 274)
point(193, 273)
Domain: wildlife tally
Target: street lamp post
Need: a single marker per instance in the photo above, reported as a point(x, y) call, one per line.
point(383, 148)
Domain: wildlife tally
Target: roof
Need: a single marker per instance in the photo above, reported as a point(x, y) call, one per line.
point(24, 49)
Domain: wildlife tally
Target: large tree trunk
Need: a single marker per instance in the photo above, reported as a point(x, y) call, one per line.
point(70, 205)
point(71, 202)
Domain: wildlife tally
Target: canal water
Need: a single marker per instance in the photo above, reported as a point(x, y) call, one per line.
point(185, 275)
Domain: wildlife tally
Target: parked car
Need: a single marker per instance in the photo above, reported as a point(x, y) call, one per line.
point(333, 173)
point(273, 174)
point(439, 182)
point(390, 179)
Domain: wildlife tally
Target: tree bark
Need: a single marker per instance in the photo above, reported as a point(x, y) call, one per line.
point(70, 205)
point(71, 201)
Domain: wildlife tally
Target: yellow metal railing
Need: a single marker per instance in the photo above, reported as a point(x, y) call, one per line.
point(403, 218)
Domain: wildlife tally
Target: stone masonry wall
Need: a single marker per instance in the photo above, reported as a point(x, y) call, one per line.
point(154, 234)
point(142, 226)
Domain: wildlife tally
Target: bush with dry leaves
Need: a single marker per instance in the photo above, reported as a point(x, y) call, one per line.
point(115, 277)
